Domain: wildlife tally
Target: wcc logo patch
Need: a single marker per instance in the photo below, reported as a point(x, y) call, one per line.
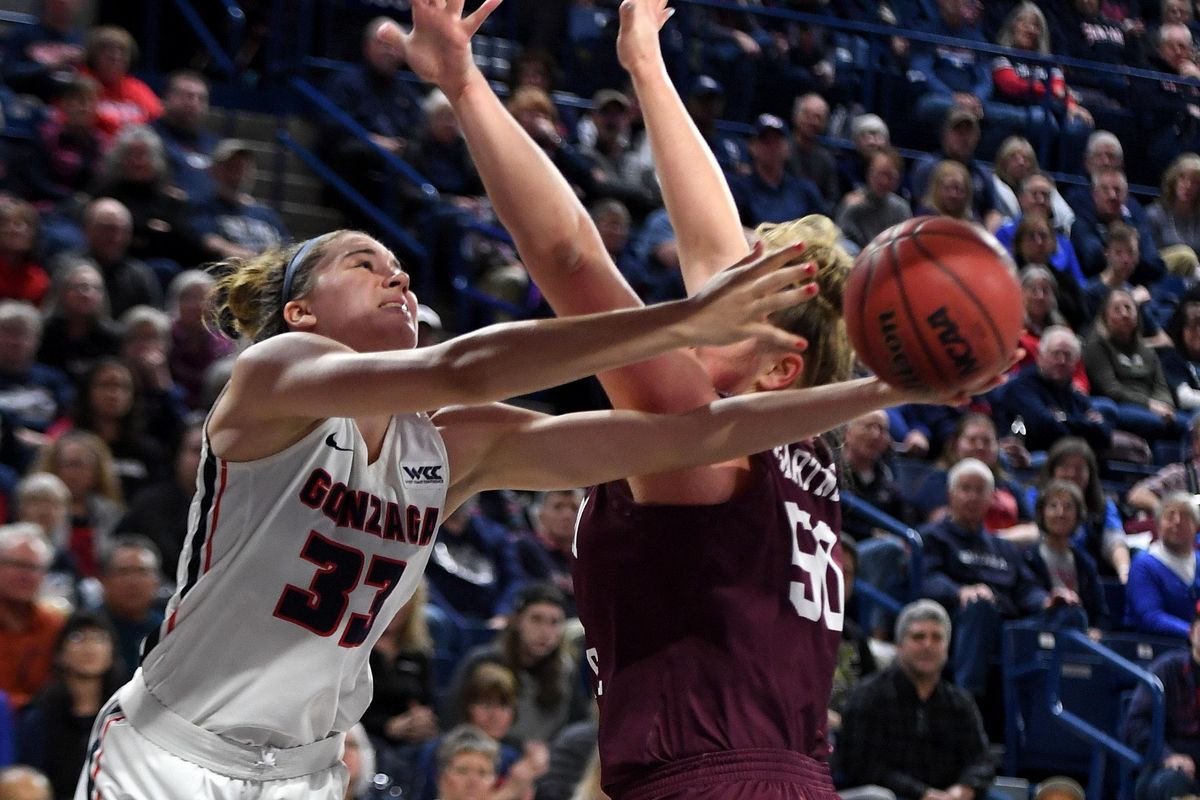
point(417, 476)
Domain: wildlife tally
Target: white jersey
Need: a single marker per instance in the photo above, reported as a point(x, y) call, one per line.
point(293, 567)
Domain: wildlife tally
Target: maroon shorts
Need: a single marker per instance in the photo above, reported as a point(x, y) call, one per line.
point(735, 775)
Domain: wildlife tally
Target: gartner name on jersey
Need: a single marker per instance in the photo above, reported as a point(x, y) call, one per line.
point(367, 512)
point(806, 471)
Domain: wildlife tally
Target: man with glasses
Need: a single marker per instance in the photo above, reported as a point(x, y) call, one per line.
point(130, 577)
point(1036, 196)
point(28, 630)
point(1109, 202)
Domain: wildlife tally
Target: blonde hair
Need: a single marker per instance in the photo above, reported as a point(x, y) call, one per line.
point(248, 297)
point(1008, 147)
point(1186, 162)
point(829, 357)
point(108, 36)
point(107, 484)
point(530, 98)
point(939, 171)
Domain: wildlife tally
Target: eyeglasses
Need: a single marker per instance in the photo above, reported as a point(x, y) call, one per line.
point(88, 636)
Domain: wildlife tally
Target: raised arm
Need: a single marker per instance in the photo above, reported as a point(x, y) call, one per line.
point(554, 234)
point(555, 237)
point(300, 376)
point(697, 197)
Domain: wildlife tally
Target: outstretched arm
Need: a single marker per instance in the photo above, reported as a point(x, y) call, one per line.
point(492, 447)
point(697, 197)
point(303, 377)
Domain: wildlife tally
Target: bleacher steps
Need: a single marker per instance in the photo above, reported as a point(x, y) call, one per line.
point(299, 199)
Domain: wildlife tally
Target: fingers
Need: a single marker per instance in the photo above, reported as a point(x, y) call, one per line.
point(777, 301)
point(778, 337)
point(785, 276)
point(776, 259)
point(455, 7)
point(390, 32)
point(480, 15)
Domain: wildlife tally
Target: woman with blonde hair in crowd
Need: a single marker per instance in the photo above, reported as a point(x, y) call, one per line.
point(1034, 90)
point(949, 193)
point(124, 100)
point(1016, 161)
point(1126, 375)
point(85, 464)
point(1175, 216)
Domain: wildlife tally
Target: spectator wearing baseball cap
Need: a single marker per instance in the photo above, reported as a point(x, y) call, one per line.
point(706, 104)
point(619, 172)
point(231, 222)
point(959, 140)
point(1174, 773)
point(770, 193)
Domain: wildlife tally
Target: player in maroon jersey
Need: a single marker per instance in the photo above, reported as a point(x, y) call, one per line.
point(711, 597)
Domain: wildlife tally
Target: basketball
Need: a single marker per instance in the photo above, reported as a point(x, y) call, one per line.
point(934, 302)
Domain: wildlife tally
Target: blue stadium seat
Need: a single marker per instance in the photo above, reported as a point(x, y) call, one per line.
point(1092, 687)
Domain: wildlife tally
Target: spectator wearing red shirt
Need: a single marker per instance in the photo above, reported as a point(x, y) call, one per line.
point(21, 277)
point(1026, 83)
point(124, 100)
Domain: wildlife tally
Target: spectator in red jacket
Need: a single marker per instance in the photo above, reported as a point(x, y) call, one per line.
point(124, 100)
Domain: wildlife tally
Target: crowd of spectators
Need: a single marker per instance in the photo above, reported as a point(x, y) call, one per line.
point(114, 203)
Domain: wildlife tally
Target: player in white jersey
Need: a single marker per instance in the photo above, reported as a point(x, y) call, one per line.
point(323, 479)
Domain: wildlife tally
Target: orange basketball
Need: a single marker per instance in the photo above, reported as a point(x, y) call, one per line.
point(934, 302)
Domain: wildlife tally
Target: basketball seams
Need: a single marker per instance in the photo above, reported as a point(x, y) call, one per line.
point(983, 310)
point(885, 298)
point(914, 327)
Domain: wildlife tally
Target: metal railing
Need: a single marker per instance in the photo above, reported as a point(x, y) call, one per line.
point(412, 249)
point(221, 56)
point(394, 163)
point(856, 506)
point(1103, 743)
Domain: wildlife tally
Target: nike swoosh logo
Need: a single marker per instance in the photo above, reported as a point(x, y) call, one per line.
point(329, 441)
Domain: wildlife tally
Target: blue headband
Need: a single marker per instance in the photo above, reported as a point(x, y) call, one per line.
point(289, 272)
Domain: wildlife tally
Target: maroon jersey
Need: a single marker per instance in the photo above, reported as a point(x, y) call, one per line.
point(716, 627)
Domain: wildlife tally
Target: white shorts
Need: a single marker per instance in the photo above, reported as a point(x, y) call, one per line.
point(139, 750)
